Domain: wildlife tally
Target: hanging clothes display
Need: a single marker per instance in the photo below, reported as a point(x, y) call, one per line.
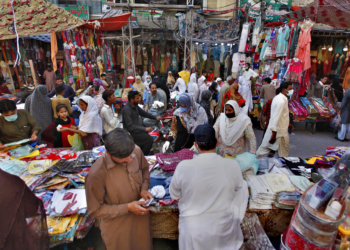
point(304, 44)
point(264, 46)
point(244, 36)
point(294, 71)
point(282, 46)
point(339, 67)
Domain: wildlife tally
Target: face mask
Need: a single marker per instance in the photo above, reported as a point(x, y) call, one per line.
point(183, 109)
point(232, 115)
point(148, 80)
point(290, 93)
point(11, 118)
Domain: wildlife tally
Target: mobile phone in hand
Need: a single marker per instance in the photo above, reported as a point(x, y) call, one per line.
point(148, 203)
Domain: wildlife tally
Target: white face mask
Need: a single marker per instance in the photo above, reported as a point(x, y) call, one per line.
point(290, 93)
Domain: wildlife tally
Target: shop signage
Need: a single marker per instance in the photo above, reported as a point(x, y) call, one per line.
point(81, 11)
point(274, 8)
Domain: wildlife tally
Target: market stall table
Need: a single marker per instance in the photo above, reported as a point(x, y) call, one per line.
point(165, 223)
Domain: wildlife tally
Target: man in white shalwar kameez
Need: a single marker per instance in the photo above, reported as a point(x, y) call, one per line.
point(249, 74)
point(276, 137)
point(246, 91)
point(212, 197)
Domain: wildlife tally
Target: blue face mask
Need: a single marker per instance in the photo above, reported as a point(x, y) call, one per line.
point(11, 118)
point(183, 109)
point(148, 80)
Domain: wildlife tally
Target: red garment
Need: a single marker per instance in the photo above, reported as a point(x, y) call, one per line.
point(313, 69)
point(49, 138)
point(327, 67)
point(5, 90)
point(304, 48)
point(211, 77)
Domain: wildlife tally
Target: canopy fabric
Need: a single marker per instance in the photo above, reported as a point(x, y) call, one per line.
point(34, 17)
point(331, 12)
point(110, 23)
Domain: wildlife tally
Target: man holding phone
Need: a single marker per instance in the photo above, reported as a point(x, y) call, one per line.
point(114, 186)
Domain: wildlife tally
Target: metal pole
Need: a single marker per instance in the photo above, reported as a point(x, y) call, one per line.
point(262, 13)
point(131, 43)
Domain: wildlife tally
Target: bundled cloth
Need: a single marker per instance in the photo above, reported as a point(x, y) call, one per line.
point(169, 162)
point(332, 110)
point(248, 163)
point(287, 200)
point(279, 183)
point(321, 107)
point(157, 191)
point(297, 109)
point(262, 196)
point(311, 109)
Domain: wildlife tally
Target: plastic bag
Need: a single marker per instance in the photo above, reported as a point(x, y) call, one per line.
point(248, 161)
point(21, 151)
point(336, 122)
point(76, 142)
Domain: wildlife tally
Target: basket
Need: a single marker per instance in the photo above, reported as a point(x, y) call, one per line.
point(165, 224)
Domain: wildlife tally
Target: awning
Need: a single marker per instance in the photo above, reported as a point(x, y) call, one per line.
point(335, 13)
point(34, 17)
point(110, 23)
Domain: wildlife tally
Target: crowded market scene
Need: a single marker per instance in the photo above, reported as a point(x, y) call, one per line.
point(174, 124)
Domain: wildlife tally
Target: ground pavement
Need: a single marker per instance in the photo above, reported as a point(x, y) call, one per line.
point(302, 144)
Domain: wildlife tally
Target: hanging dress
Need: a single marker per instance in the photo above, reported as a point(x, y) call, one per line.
point(282, 46)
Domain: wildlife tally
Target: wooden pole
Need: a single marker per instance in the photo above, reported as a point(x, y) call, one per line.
point(33, 72)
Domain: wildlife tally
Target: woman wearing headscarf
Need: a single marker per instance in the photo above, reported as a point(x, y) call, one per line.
point(171, 79)
point(145, 74)
point(312, 85)
point(148, 82)
point(98, 82)
point(90, 123)
point(233, 95)
point(205, 103)
point(22, 215)
point(185, 120)
point(246, 92)
point(164, 87)
point(234, 130)
point(202, 86)
point(139, 86)
point(192, 86)
point(98, 91)
point(214, 90)
point(39, 107)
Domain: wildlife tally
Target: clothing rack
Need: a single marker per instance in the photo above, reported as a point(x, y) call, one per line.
point(287, 23)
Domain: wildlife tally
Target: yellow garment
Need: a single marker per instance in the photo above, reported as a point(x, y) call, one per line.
point(100, 66)
point(54, 50)
point(54, 181)
point(39, 167)
point(91, 38)
point(185, 75)
point(59, 225)
point(279, 183)
point(82, 77)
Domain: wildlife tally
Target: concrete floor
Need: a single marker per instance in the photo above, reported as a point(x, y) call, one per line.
point(302, 144)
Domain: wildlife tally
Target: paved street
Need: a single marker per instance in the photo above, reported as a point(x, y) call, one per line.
point(302, 144)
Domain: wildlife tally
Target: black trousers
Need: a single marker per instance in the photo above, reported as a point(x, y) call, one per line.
point(144, 141)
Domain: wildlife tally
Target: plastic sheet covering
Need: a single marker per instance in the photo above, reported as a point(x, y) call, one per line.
point(342, 171)
point(248, 161)
point(21, 151)
point(67, 202)
point(15, 167)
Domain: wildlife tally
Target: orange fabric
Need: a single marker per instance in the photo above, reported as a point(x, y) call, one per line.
point(54, 50)
point(304, 48)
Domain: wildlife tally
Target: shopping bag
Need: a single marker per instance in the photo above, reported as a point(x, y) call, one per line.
point(336, 122)
point(76, 142)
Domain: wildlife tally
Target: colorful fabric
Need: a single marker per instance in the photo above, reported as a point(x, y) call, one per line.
point(169, 162)
point(297, 109)
point(321, 107)
point(34, 17)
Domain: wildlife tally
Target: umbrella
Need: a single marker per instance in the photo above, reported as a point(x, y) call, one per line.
point(185, 75)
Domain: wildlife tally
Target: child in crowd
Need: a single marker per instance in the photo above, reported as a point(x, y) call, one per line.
point(59, 138)
point(90, 123)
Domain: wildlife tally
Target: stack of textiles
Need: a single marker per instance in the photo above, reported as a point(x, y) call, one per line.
point(311, 109)
point(169, 162)
point(299, 111)
point(321, 107)
point(287, 200)
point(336, 151)
point(320, 161)
point(262, 196)
point(327, 102)
point(297, 166)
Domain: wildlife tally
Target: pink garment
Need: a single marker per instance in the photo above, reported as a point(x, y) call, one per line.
point(294, 73)
point(169, 162)
point(304, 48)
point(89, 70)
